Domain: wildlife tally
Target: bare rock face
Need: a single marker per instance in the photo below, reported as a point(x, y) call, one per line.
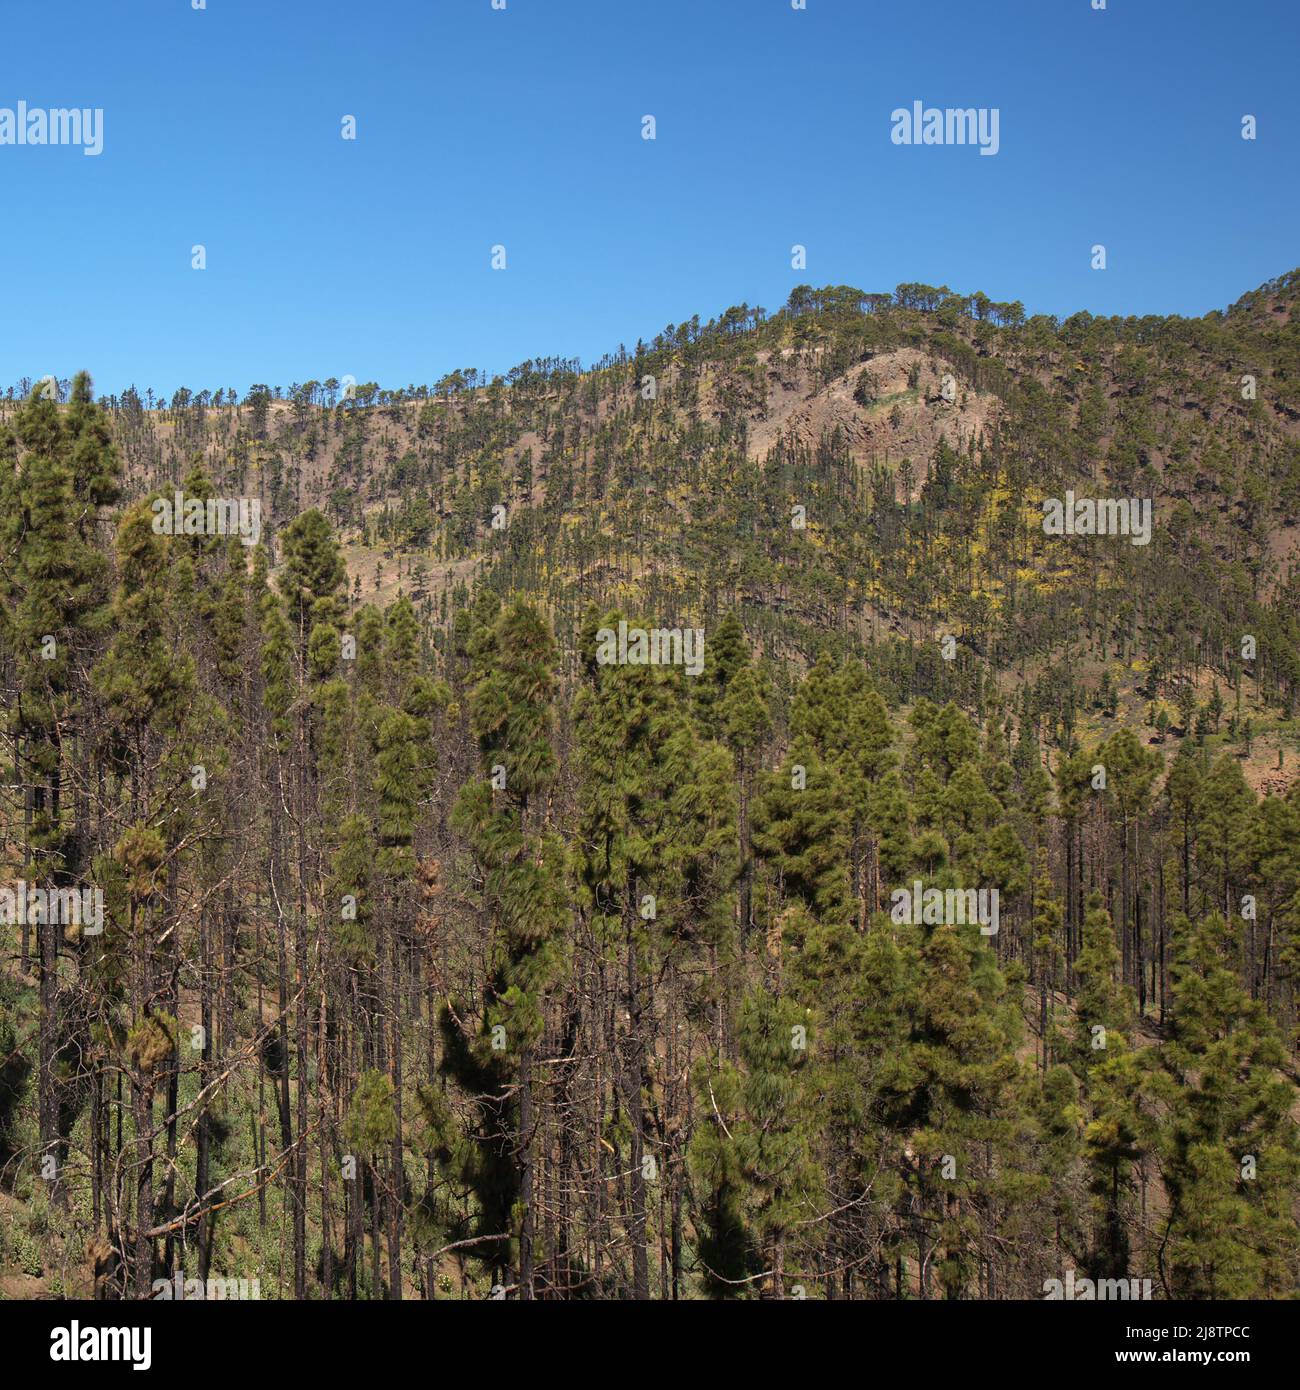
point(896, 405)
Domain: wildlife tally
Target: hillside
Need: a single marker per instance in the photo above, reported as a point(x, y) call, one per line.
point(923, 515)
point(448, 950)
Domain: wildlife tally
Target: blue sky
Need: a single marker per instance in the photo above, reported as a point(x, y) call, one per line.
point(523, 127)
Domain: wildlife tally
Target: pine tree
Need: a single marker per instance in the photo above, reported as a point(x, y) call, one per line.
point(54, 595)
point(1110, 1077)
point(801, 830)
point(1048, 952)
point(511, 715)
point(756, 1157)
point(633, 823)
point(745, 724)
point(149, 697)
point(1228, 1149)
point(961, 1103)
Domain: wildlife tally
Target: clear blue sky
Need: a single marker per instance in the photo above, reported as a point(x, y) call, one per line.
point(522, 127)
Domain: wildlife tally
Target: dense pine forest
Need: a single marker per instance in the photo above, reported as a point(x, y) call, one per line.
point(373, 931)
